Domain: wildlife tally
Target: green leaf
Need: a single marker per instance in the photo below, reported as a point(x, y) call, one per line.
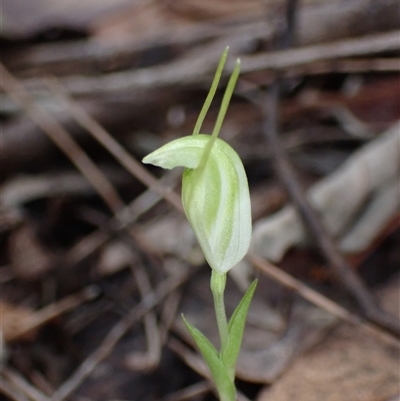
point(235, 328)
point(225, 386)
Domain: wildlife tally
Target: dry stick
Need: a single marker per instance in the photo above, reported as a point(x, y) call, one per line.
point(320, 300)
point(124, 219)
point(110, 144)
point(152, 355)
point(178, 73)
point(169, 313)
point(115, 334)
point(355, 47)
point(50, 312)
point(341, 66)
point(344, 66)
point(189, 392)
point(312, 221)
point(26, 388)
point(8, 390)
point(62, 139)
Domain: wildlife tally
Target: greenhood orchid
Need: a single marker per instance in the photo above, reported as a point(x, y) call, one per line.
point(216, 201)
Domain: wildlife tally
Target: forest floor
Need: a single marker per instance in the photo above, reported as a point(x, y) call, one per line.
point(97, 260)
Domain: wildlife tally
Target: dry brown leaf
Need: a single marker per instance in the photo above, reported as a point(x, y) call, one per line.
point(349, 365)
point(172, 235)
point(367, 182)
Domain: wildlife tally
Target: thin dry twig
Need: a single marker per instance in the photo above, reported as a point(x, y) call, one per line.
point(8, 390)
point(150, 358)
point(109, 143)
point(345, 66)
point(320, 300)
point(190, 392)
point(50, 312)
point(168, 314)
point(115, 335)
point(62, 139)
point(123, 220)
point(23, 386)
point(355, 47)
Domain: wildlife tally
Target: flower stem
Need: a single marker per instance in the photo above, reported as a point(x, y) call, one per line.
point(218, 282)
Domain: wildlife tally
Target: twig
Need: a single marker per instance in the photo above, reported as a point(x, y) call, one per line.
point(283, 59)
point(148, 359)
point(115, 334)
point(109, 143)
point(169, 313)
point(25, 387)
point(189, 392)
point(124, 219)
point(50, 312)
point(7, 390)
point(189, 357)
point(320, 300)
point(345, 66)
point(338, 264)
point(62, 139)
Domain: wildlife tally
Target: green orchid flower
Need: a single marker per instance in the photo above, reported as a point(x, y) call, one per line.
point(215, 192)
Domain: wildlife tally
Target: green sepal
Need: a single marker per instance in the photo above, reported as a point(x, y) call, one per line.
point(224, 384)
point(236, 325)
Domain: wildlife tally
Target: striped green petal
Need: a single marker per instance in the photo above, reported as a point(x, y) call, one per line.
point(215, 196)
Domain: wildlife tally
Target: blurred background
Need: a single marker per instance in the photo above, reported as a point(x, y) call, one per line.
point(97, 261)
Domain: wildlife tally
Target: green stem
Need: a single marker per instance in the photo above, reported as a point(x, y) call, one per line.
point(218, 282)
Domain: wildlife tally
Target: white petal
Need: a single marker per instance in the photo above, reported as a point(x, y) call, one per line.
point(216, 199)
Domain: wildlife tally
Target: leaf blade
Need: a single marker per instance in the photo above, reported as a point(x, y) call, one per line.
point(224, 384)
point(236, 328)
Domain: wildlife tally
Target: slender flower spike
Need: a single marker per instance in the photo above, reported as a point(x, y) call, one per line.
point(215, 193)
